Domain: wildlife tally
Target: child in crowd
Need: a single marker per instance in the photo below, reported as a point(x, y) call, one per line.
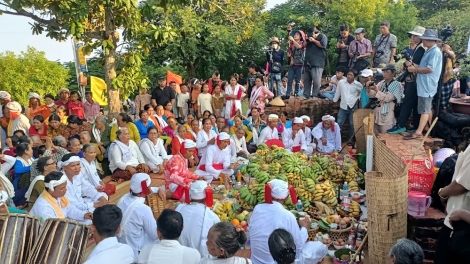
point(75, 106)
point(194, 95)
point(329, 92)
point(217, 101)
point(204, 100)
point(182, 103)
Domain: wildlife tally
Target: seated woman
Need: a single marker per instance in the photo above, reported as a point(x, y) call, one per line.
point(256, 124)
point(168, 113)
point(189, 120)
point(237, 124)
point(171, 129)
point(24, 159)
point(327, 135)
point(151, 114)
point(125, 121)
point(205, 137)
point(178, 140)
point(283, 121)
point(35, 108)
point(100, 133)
point(55, 127)
point(45, 165)
point(195, 128)
point(143, 124)
point(52, 202)
point(61, 112)
point(74, 146)
point(240, 143)
point(39, 128)
point(75, 127)
point(154, 151)
point(125, 157)
point(89, 170)
point(160, 116)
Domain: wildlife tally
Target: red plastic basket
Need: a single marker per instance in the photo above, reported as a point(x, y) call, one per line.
point(421, 175)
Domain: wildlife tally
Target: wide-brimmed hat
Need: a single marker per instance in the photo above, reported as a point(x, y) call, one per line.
point(418, 31)
point(274, 39)
point(367, 73)
point(430, 34)
point(277, 102)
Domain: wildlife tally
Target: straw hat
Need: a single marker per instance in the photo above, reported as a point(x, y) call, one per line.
point(277, 102)
point(274, 39)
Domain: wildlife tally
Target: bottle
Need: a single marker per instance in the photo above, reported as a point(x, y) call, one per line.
point(299, 206)
point(345, 190)
point(233, 178)
point(345, 186)
point(239, 176)
point(351, 241)
point(358, 240)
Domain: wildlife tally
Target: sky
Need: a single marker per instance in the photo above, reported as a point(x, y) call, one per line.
point(16, 36)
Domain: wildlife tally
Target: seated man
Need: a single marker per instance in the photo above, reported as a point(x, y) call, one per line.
point(294, 138)
point(328, 135)
point(270, 131)
point(177, 174)
point(138, 226)
point(198, 217)
point(125, 157)
point(215, 163)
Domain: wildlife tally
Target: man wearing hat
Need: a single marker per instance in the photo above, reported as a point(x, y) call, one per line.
point(294, 138)
point(215, 163)
point(275, 58)
point(270, 131)
point(388, 93)
point(428, 73)
point(385, 46)
point(198, 217)
point(64, 99)
point(327, 134)
point(163, 94)
point(18, 121)
point(361, 49)
point(262, 223)
point(315, 58)
point(366, 76)
point(306, 129)
point(138, 226)
point(410, 101)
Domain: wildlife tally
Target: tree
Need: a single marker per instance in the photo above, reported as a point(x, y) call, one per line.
point(28, 72)
point(428, 8)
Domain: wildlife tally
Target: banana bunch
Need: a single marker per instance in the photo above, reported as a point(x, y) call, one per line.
point(305, 203)
point(261, 152)
point(252, 168)
point(304, 193)
point(324, 162)
point(325, 192)
point(253, 187)
point(221, 213)
point(351, 175)
point(263, 146)
point(293, 163)
point(262, 177)
point(353, 186)
point(247, 197)
point(310, 184)
point(294, 179)
point(354, 209)
point(302, 156)
point(274, 168)
point(260, 197)
point(280, 153)
point(335, 172)
point(282, 177)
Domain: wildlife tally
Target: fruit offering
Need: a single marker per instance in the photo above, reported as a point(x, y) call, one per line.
point(325, 192)
point(353, 186)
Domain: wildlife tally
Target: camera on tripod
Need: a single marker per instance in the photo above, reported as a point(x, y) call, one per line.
point(403, 54)
point(446, 33)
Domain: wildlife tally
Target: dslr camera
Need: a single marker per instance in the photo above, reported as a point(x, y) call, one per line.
point(446, 33)
point(403, 54)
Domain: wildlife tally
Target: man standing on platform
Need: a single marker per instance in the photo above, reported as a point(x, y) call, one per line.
point(315, 58)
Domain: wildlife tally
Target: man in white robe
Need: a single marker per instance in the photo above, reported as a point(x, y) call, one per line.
point(198, 217)
point(138, 226)
point(307, 130)
point(328, 135)
point(270, 216)
point(270, 131)
point(294, 138)
point(80, 192)
point(106, 224)
point(215, 163)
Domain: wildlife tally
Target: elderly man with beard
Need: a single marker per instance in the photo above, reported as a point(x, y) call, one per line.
point(328, 135)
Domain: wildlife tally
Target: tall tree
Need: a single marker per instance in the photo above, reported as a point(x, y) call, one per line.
point(428, 8)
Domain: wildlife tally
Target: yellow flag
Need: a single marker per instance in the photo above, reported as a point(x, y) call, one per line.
point(98, 89)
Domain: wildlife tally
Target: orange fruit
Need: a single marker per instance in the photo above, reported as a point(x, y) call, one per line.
point(235, 222)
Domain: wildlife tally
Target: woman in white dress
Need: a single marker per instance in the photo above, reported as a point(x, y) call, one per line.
point(88, 167)
point(233, 94)
point(205, 137)
point(223, 242)
point(154, 151)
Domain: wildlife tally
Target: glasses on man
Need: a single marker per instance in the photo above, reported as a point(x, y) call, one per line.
point(53, 163)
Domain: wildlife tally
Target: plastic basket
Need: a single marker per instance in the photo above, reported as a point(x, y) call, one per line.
point(421, 175)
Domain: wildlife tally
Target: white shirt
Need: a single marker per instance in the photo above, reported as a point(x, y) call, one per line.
point(348, 92)
point(109, 250)
point(232, 260)
point(262, 224)
point(333, 138)
point(82, 194)
point(197, 220)
point(183, 103)
point(153, 154)
point(299, 139)
point(214, 155)
point(168, 252)
point(239, 144)
point(266, 134)
point(89, 172)
point(308, 135)
point(205, 102)
point(201, 141)
point(43, 210)
point(116, 161)
point(141, 230)
point(20, 123)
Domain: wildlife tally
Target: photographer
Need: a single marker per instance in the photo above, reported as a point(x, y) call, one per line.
point(359, 50)
point(385, 46)
point(296, 53)
point(388, 93)
point(275, 58)
point(410, 102)
point(315, 57)
point(342, 46)
point(427, 79)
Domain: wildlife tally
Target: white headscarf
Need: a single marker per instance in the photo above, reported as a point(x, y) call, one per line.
point(50, 185)
point(279, 189)
point(328, 118)
point(197, 190)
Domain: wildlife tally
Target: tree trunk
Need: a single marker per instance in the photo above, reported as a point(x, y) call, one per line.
point(114, 104)
point(191, 70)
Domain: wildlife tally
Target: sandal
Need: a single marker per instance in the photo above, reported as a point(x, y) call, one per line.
point(412, 136)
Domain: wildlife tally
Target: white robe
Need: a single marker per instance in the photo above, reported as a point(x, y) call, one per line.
point(214, 155)
point(89, 172)
point(299, 139)
point(109, 250)
point(141, 228)
point(232, 260)
point(115, 157)
point(333, 138)
point(201, 141)
point(197, 220)
point(43, 210)
point(229, 103)
point(168, 251)
point(262, 224)
point(266, 134)
point(154, 154)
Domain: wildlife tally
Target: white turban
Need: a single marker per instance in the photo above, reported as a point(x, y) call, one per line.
point(14, 107)
point(137, 180)
point(62, 164)
point(273, 117)
point(188, 143)
point(305, 117)
point(223, 136)
point(313, 252)
point(34, 95)
point(279, 189)
point(298, 120)
point(328, 118)
point(5, 95)
point(52, 184)
point(197, 190)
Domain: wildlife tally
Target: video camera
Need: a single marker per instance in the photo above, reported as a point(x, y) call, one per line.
point(446, 33)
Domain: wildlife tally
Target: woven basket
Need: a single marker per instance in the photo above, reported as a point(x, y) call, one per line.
point(358, 117)
point(336, 234)
point(156, 204)
point(312, 232)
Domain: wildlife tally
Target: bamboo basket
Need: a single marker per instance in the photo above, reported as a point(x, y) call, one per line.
point(358, 117)
point(156, 204)
point(312, 232)
point(340, 233)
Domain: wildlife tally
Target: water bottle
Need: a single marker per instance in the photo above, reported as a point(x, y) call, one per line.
point(299, 206)
point(345, 191)
point(345, 186)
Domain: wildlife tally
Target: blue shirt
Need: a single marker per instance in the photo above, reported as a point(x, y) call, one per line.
point(427, 83)
point(143, 129)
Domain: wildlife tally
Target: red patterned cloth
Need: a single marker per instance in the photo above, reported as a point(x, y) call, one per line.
point(176, 171)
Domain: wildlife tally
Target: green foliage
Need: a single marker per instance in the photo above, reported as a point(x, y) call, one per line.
point(428, 8)
point(28, 72)
point(464, 71)
point(402, 18)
